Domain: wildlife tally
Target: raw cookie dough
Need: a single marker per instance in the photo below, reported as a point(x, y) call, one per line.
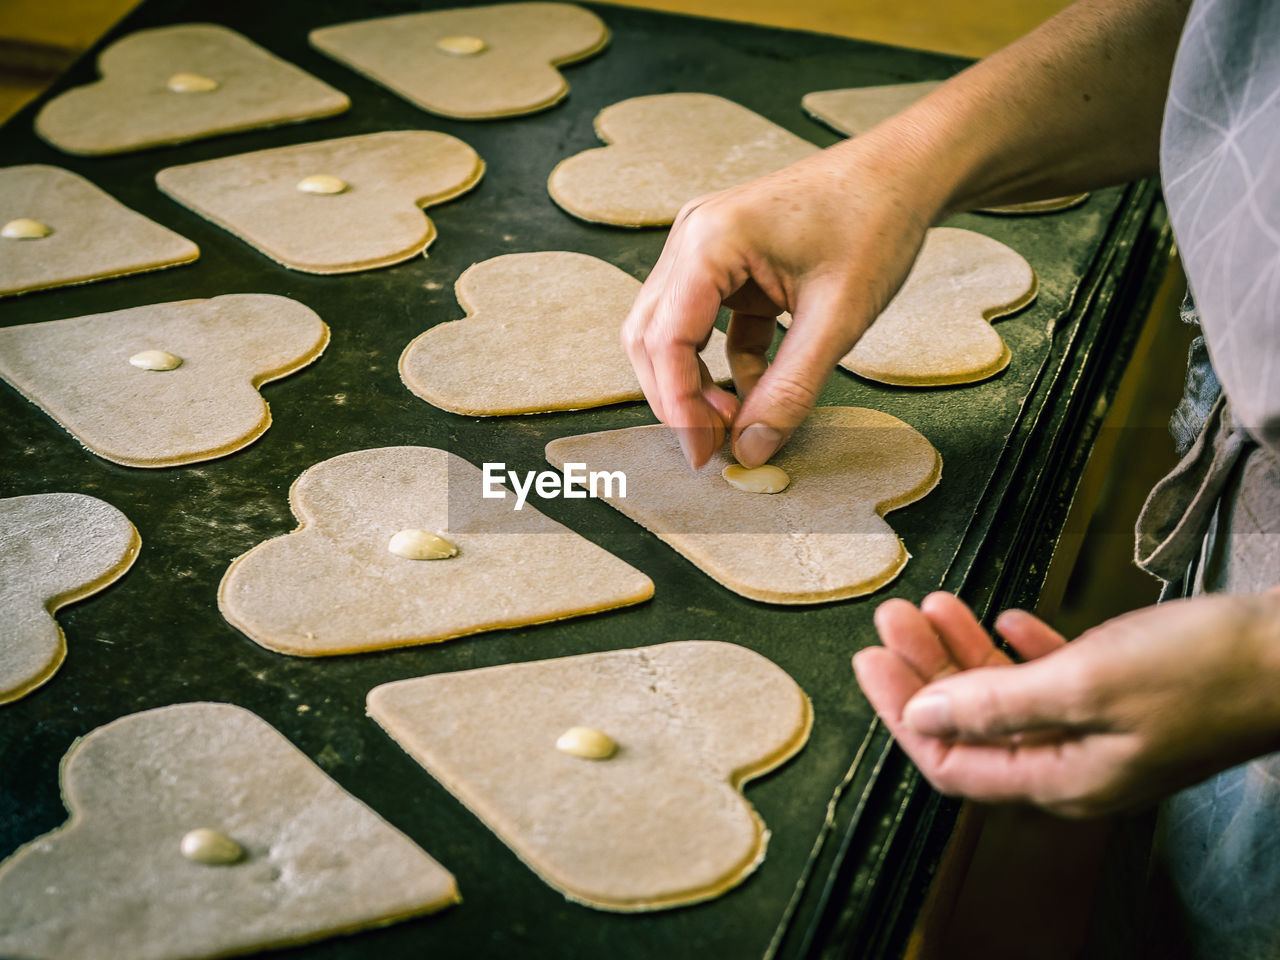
point(936, 330)
point(376, 221)
point(92, 236)
point(822, 538)
point(113, 883)
point(1051, 205)
point(332, 586)
point(855, 110)
point(82, 372)
point(497, 61)
point(659, 823)
point(541, 334)
point(665, 150)
point(179, 83)
point(55, 549)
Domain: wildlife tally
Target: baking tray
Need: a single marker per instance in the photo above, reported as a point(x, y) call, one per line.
point(156, 637)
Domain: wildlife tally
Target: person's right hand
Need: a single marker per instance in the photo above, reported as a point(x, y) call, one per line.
point(829, 239)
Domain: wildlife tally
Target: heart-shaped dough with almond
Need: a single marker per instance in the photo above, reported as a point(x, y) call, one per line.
point(855, 110)
point(654, 819)
point(57, 228)
point(343, 582)
point(665, 150)
point(540, 334)
point(55, 549)
point(164, 384)
point(179, 83)
point(937, 329)
point(281, 854)
point(472, 63)
point(821, 538)
point(334, 206)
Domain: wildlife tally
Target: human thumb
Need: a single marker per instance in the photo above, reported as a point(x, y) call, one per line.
point(988, 702)
point(788, 389)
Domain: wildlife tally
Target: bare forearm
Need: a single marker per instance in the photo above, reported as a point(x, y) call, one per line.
point(1266, 613)
point(831, 238)
point(1073, 106)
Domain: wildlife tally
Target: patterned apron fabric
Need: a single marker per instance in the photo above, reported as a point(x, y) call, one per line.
point(1213, 525)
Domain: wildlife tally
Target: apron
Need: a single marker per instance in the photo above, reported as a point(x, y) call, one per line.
point(1213, 525)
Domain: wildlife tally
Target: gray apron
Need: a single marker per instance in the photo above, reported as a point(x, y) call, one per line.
point(1213, 525)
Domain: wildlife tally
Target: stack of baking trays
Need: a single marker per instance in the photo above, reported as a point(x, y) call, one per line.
point(448, 646)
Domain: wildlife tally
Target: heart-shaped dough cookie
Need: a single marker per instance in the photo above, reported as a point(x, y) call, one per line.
point(124, 878)
point(179, 83)
point(59, 229)
point(473, 63)
point(658, 822)
point(855, 110)
point(937, 330)
point(335, 585)
point(665, 150)
point(822, 538)
point(55, 549)
point(334, 206)
point(541, 334)
point(163, 384)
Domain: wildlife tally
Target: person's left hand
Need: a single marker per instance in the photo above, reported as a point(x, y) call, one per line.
point(1135, 709)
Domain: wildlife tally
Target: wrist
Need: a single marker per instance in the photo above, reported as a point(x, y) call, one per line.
point(1265, 617)
point(945, 155)
point(897, 161)
point(1264, 620)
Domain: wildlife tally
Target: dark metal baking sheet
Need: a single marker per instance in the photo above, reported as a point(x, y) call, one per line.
point(156, 636)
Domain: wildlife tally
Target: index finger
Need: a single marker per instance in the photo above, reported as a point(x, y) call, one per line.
point(682, 319)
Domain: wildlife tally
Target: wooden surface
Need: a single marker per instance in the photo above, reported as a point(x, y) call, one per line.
point(972, 29)
point(39, 39)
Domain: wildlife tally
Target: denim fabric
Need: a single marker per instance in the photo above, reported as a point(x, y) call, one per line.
point(1218, 843)
point(1199, 393)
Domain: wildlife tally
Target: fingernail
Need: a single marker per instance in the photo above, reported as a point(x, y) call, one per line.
point(688, 447)
point(930, 715)
point(756, 444)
